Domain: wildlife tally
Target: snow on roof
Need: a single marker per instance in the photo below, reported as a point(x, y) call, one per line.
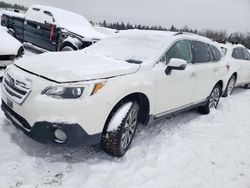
point(136, 45)
point(106, 31)
point(141, 45)
point(71, 21)
point(13, 14)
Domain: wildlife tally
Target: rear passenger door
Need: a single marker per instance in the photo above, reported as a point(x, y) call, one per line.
point(207, 70)
point(239, 59)
point(247, 64)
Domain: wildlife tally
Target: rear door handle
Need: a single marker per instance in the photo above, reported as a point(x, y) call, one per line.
point(192, 75)
point(216, 70)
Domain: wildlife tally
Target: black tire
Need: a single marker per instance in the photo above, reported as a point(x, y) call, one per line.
point(229, 88)
point(20, 52)
point(211, 102)
point(112, 141)
point(67, 46)
point(246, 86)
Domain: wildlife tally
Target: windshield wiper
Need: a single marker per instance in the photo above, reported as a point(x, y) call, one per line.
point(134, 61)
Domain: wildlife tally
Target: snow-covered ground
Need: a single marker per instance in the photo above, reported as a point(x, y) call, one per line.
point(186, 151)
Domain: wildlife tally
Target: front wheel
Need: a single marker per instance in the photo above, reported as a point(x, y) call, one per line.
point(213, 100)
point(230, 86)
point(120, 129)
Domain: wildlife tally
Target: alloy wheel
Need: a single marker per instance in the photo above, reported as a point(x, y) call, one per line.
point(230, 86)
point(129, 128)
point(214, 98)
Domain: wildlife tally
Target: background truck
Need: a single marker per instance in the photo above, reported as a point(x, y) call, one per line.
point(51, 28)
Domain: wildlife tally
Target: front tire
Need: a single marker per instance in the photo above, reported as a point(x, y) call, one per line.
point(213, 100)
point(230, 86)
point(116, 142)
point(67, 47)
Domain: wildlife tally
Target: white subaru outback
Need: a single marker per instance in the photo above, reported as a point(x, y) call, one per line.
point(99, 95)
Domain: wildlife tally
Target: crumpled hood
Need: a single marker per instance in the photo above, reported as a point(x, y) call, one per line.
point(75, 66)
point(9, 45)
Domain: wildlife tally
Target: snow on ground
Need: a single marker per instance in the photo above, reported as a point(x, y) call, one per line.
point(189, 150)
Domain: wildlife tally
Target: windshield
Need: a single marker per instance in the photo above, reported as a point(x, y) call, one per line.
point(133, 48)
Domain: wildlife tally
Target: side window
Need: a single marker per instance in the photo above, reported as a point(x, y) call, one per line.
point(47, 17)
point(238, 53)
point(33, 14)
point(202, 52)
point(181, 50)
point(216, 53)
point(246, 54)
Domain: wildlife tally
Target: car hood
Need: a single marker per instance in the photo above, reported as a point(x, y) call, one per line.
point(86, 32)
point(9, 45)
point(75, 66)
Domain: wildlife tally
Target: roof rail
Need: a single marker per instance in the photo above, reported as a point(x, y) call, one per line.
point(179, 33)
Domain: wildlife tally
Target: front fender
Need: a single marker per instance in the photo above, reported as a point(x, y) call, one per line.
point(119, 87)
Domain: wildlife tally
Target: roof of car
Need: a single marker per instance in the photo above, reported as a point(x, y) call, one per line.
point(71, 21)
point(167, 34)
point(231, 46)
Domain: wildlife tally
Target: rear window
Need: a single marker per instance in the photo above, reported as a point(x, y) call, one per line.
point(202, 52)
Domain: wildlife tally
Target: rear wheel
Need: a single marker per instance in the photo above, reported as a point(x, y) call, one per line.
point(230, 86)
point(116, 142)
point(246, 86)
point(212, 101)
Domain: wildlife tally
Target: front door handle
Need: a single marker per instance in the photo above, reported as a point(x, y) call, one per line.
point(192, 75)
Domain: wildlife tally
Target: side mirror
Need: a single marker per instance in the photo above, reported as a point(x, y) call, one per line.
point(175, 64)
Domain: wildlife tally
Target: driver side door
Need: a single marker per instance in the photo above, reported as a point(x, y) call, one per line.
point(175, 91)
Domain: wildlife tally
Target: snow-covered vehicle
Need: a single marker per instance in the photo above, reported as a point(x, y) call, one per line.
point(100, 94)
point(10, 48)
point(237, 59)
point(51, 28)
point(106, 31)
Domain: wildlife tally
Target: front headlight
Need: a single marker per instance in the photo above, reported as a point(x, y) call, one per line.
point(72, 92)
point(64, 92)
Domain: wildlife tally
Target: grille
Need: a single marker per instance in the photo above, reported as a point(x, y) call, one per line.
point(17, 88)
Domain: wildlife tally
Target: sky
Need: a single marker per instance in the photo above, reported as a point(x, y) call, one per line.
point(229, 15)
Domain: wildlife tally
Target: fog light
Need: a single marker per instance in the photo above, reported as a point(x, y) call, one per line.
point(60, 136)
